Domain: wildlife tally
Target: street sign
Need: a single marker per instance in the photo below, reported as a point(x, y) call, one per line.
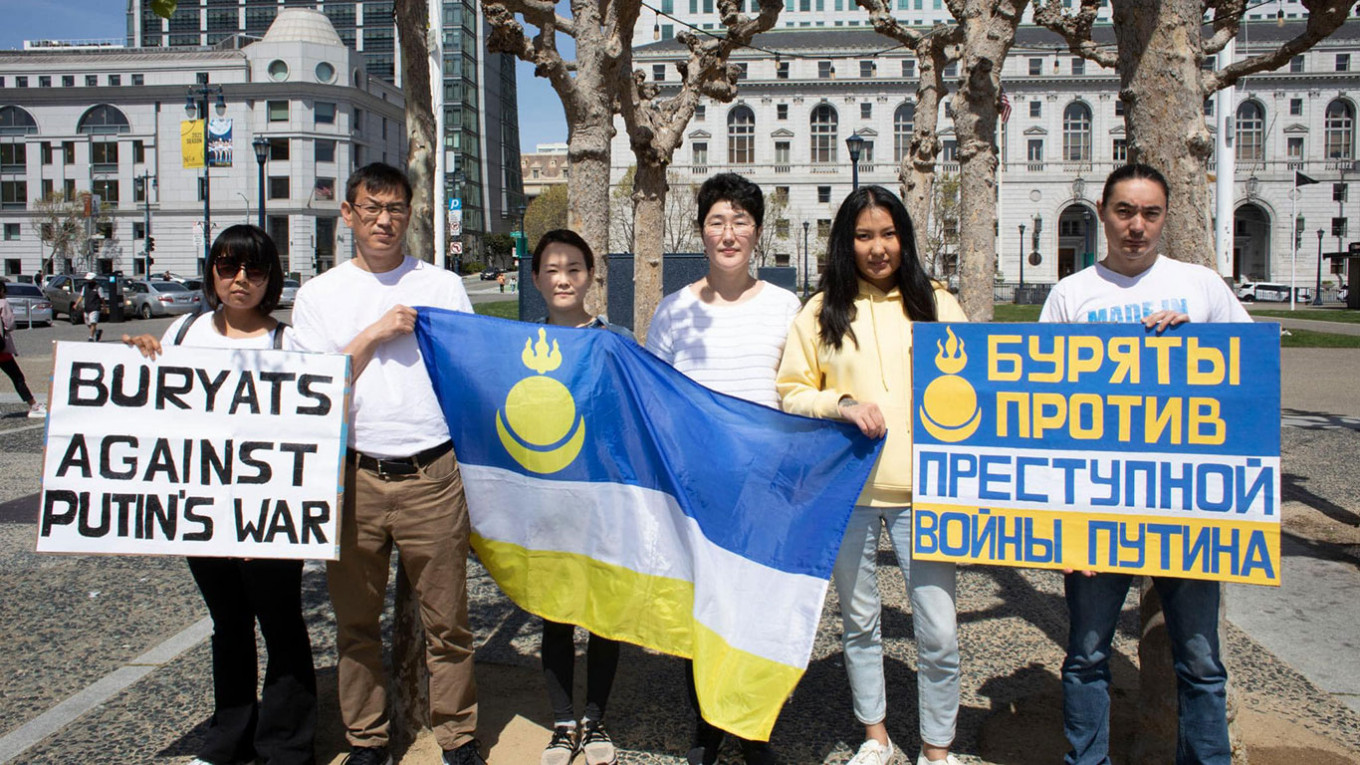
point(455, 204)
point(455, 248)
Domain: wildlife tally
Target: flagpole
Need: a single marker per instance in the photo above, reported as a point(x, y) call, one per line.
point(1293, 238)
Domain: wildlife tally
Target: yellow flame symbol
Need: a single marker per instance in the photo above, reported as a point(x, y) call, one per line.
point(955, 360)
point(537, 356)
point(540, 428)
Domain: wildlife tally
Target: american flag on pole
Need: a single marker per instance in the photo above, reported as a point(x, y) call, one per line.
point(1005, 107)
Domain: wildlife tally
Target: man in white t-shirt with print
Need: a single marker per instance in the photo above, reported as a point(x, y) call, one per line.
point(402, 484)
point(1137, 283)
point(726, 332)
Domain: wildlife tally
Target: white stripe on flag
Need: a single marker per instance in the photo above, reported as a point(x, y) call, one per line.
point(758, 609)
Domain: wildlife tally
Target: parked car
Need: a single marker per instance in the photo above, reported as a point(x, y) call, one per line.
point(289, 294)
point(1271, 292)
point(29, 304)
point(162, 298)
point(490, 274)
point(64, 289)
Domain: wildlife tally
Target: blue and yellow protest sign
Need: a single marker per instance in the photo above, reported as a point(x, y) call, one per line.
point(1101, 447)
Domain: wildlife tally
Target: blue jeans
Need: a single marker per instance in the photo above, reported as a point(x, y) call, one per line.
point(930, 586)
point(1191, 610)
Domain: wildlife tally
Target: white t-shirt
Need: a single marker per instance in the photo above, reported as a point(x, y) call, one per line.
point(203, 334)
point(1099, 295)
point(393, 410)
point(733, 349)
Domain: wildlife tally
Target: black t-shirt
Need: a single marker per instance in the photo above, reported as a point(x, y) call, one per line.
point(90, 297)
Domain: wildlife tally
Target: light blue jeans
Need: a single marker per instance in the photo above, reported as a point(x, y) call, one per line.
point(930, 586)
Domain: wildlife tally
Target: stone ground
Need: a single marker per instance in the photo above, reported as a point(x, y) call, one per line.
point(131, 631)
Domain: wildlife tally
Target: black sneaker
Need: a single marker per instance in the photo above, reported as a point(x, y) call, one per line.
point(707, 741)
point(467, 754)
point(99, 335)
point(367, 755)
point(562, 748)
point(758, 752)
point(596, 744)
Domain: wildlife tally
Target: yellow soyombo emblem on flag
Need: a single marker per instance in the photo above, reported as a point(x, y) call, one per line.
point(540, 413)
point(949, 409)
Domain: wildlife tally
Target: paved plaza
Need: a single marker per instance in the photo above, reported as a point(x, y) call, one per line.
point(106, 659)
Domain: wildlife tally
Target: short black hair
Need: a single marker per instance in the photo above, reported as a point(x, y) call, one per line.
point(377, 177)
point(1135, 170)
point(562, 236)
point(250, 246)
point(734, 189)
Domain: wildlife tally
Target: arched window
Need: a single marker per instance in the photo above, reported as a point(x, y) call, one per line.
point(1251, 132)
point(102, 119)
point(904, 120)
point(741, 136)
point(1077, 132)
point(16, 121)
point(823, 135)
point(1340, 130)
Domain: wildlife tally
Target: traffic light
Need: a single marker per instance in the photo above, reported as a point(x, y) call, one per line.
point(150, 244)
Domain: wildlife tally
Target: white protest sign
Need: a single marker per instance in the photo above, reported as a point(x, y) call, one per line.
point(204, 452)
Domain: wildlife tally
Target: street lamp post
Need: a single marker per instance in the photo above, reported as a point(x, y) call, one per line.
point(148, 243)
point(1022, 256)
point(855, 143)
point(806, 226)
point(1317, 290)
point(196, 104)
point(261, 147)
point(520, 209)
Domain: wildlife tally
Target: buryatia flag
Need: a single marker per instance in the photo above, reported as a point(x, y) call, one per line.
point(610, 491)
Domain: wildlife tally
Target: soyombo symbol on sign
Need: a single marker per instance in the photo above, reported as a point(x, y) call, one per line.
point(949, 409)
point(541, 412)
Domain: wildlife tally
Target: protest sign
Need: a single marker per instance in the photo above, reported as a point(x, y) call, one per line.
point(1101, 447)
point(205, 452)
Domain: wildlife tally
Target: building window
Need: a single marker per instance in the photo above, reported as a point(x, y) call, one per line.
point(1035, 150)
point(68, 189)
point(1296, 64)
point(1077, 132)
point(91, 80)
point(324, 189)
point(138, 80)
point(1036, 67)
point(824, 194)
point(658, 72)
point(781, 111)
point(13, 195)
point(13, 157)
point(1250, 132)
point(903, 123)
point(781, 156)
point(139, 189)
point(107, 191)
point(781, 228)
point(908, 67)
point(325, 113)
point(1340, 130)
point(1296, 107)
point(278, 187)
point(278, 149)
point(48, 188)
point(866, 69)
point(823, 231)
point(781, 70)
point(700, 111)
point(1036, 109)
point(138, 230)
point(825, 70)
point(1343, 62)
point(138, 152)
point(104, 156)
point(1339, 192)
point(700, 154)
point(1294, 151)
point(743, 69)
point(1339, 227)
point(11, 232)
point(866, 110)
point(278, 111)
point(741, 136)
point(20, 81)
point(1119, 108)
point(823, 124)
point(866, 152)
point(68, 152)
point(68, 80)
point(115, 80)
point(325, 151)
point(44, 80)
point(45, 152)
point(951, 70)
point(1078, 66)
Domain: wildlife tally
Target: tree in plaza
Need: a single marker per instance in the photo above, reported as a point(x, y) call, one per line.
point(422, 143)
point(681, 210)
point(500, 250)
point(775, 233)
point(941, 229)
point(547, 212)
point(934, 49)
point(61, 225)
point(656, 126)
point(1160, 49)
point(603, 33)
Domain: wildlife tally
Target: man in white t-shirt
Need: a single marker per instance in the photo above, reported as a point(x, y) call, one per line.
point(726, 332)
point(1136, 283)
point(402, 484)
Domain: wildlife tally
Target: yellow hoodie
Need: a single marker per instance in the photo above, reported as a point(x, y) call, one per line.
point(813, 378)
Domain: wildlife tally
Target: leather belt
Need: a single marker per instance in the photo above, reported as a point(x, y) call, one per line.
point(385, 466)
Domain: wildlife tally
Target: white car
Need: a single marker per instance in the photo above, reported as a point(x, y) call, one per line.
point(289, 294)
point(1271, 292)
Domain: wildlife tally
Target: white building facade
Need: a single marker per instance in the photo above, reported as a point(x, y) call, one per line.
point(805, 91)
point(107, 121)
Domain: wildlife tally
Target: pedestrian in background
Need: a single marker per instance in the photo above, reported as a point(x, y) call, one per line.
point(8, 363)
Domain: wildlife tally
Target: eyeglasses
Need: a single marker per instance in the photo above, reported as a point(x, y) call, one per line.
point(740, 226)
point(227, 268)
point(372, 211)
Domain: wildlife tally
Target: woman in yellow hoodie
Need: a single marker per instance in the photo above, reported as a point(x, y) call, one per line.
point(848, 357)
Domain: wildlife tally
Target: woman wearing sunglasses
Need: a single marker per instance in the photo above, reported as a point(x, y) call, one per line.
point(243, 285)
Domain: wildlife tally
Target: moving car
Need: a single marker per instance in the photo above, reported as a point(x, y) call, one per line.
point(64, 289)
point(161, 298)
point(1271, 292)
point(289, 294)
point(29, 304)
point(490, 274)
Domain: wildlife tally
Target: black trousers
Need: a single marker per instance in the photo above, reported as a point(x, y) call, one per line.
point(559, 668)
point(280, 726)
point(16, 376)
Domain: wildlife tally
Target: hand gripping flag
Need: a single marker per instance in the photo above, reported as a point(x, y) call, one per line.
point(610, 491)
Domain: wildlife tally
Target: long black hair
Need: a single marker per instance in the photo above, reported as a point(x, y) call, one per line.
point(250, 246)
point(840, 284)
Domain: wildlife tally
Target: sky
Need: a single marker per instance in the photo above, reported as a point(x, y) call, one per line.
point(541, 119)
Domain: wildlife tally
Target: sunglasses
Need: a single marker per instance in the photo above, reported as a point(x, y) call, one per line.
point(228, 268)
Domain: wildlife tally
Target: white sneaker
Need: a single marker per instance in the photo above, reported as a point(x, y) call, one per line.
point(38, 411)
point(949, 759)
point(872, 753)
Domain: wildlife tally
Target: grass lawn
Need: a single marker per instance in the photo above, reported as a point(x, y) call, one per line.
point(505, 309)
point(1015, 313)
point(1315, 314)
point(1302, 338)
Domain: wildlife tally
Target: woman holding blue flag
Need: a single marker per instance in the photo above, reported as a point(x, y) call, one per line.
point(848, 357)
point(563, 266)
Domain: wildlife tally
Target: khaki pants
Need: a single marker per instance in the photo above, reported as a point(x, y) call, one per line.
point(426, 515)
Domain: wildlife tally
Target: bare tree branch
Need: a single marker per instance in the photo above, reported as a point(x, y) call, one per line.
point(1226, 22)
point(1075, 29)
point(1324, 18)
